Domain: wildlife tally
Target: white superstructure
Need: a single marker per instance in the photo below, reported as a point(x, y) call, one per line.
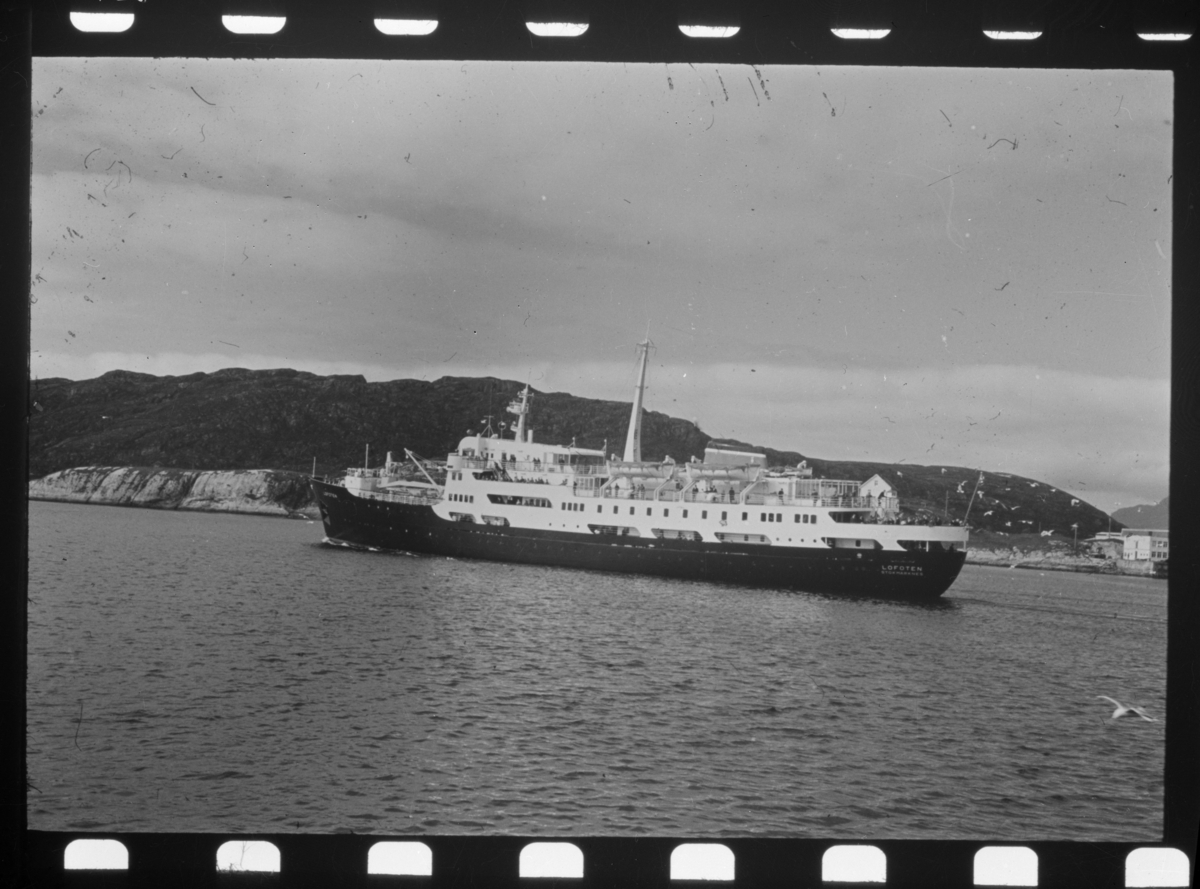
point(729, 497)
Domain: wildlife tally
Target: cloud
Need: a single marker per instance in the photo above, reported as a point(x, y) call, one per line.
point(432, 206)
point(413, 219)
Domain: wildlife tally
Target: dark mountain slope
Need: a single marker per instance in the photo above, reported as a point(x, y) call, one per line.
point(1154, 516)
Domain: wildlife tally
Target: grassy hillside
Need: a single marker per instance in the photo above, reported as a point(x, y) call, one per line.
point(282, 419)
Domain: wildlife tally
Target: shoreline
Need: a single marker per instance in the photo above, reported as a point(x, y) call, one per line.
point(991, 558)
point(307, 512)
point(258, 492)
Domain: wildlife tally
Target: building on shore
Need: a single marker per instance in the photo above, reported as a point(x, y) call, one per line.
point(1105, 545)
point(1133, 551)
point(1139, 544)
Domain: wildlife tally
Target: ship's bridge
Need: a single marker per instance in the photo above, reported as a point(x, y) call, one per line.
point(477, 452)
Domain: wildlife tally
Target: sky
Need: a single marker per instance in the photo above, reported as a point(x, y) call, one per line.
point(963, 267)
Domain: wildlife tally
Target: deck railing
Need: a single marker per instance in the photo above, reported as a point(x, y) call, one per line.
point(717, 499)
point(397, 497)
point(533, 466)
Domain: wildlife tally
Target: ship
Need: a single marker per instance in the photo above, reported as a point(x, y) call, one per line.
point(728, 518)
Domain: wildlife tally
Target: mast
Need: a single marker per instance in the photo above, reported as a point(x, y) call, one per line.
point(521, 409)
point(633, 441)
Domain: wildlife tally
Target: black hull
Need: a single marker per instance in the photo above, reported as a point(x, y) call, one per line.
point(378, 524)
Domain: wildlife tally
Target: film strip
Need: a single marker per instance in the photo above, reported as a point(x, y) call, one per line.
point(921, 33)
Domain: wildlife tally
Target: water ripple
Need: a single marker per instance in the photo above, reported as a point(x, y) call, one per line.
point(292, 686)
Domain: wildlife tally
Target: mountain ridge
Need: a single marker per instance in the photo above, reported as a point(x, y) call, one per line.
point(1154, 516)
point(233, 419)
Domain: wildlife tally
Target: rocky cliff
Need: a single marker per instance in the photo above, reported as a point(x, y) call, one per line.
point(258, 491)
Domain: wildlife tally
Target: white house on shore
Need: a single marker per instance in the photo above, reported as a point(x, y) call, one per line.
point(1140, 544)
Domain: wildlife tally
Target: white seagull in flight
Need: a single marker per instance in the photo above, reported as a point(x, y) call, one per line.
point(1125, 710)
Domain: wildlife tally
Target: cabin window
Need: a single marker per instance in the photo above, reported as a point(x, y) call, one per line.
point(615, 508)
point(724, 515)
point(797, 518)
point(744, 515)
point(762, 516)
point(666, 512)
point(779, 517)
point(599, 508)
point(631, 510)
point(685, 513)
point(703, 514)
point(647, 510)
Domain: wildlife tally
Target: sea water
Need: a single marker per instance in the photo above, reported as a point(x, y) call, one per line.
point(202, 672)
